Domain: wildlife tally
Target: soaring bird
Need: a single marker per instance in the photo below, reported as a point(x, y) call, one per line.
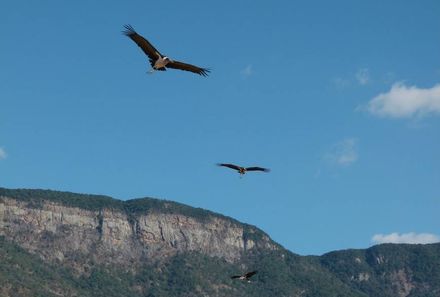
point(157, 60)
point(245, 276)
point(243, 170)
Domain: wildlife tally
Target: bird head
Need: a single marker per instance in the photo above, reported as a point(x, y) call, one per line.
point(167, 59)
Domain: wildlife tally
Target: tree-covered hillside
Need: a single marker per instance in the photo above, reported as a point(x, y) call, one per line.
point(382, 271)
point(189, 274)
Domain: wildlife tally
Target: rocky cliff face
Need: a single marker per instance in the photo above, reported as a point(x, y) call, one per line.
point(62, 233)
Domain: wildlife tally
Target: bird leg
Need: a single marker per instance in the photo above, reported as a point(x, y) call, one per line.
point(151, 71)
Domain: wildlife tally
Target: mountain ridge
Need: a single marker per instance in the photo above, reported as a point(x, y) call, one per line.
point(150, 247)
point(100, 201)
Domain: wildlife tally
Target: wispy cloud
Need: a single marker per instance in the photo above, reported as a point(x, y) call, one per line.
point(363, 76)
point(403, 101)
point(343, 153)
point(3, 154)
point(405, 238)
point(247, 71)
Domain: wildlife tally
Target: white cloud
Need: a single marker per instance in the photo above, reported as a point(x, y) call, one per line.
point(363, 76)
point(343, 153)
point(406, 101)
point(247, 71)
point(2, 154)
point(405, 238)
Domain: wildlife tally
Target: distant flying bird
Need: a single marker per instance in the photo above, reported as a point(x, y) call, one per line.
point(245, 276)
point(157, 60)
point(243, 170)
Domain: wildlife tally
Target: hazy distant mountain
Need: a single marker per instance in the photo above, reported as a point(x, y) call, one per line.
point(65, 244)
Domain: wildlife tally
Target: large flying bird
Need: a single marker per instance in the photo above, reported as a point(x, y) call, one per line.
point(243, 170)
point(157, 60)
point(245, 276)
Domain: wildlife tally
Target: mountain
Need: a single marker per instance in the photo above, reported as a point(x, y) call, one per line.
point(65, 244)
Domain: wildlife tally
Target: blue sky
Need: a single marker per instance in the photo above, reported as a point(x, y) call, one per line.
point(341, 100)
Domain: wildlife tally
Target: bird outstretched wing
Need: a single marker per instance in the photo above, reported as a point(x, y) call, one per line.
point(246, 275)
point(188, 67)
point(249, 274)
point(257, 169)
point(152, 53)
point(232, 166)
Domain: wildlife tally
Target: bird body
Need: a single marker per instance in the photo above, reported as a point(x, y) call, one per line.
point(157, 60)
point(161, 62)
point(243, 170)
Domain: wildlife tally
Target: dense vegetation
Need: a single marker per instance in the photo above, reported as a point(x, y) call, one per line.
point(419, 264)
point(184, 275)
point(34, 198)
point(384, 270)
point(192, 274)
point(23, 274)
